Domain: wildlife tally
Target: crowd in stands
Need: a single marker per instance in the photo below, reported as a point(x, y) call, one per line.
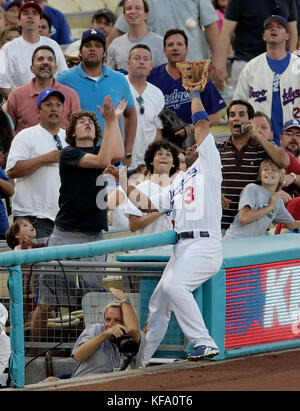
point(50, 83)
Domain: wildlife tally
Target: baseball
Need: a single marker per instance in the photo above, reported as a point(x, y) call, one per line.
point(190, 23)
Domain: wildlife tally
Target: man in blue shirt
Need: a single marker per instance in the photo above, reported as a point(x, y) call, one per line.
point(92, 81)
point(167, 78)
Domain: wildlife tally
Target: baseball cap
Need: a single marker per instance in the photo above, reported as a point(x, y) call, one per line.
point(107, 13)
point(92, 34)
point(48, 92)
point(279, 19)
point(291, 123)
point(30, 4)
point(7, 6)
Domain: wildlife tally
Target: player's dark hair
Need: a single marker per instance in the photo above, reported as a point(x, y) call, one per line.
point(156, 146)
point(250, 109)
point(171, 32)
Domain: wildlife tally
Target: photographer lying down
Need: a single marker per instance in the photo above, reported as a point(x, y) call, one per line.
point(114, 345)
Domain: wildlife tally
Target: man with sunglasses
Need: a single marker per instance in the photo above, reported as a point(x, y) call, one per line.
point(33, 161)
point(149, 101)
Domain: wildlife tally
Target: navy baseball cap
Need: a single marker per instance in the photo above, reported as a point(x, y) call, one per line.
point(93, 34)
point(7, 6)
point(30, 4)
point(291, 123)
point(279, 19)
point(48, 92)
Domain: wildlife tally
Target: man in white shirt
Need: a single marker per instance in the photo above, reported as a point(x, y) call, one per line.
point(15, 57)
point(33, 161)
point(149, 102)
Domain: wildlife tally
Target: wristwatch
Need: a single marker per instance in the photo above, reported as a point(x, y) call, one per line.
point(128, 155)
point(294, 175)
point(127, 301)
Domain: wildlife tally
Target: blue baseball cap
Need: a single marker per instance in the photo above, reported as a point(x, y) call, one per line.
point(279, 19)
point(93, 34)
point(48, 92)
point(291, 123)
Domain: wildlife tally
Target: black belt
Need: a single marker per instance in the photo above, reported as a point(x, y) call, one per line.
point(192, 234)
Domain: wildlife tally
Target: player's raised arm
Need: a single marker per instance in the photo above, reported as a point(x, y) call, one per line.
point(199, 116)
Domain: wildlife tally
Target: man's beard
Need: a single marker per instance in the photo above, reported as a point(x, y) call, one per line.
point(295, 151)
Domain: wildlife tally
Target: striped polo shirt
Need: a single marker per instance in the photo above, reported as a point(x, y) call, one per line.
point(239, 168)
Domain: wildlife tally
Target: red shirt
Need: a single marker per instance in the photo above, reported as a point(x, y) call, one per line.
point(21, 105)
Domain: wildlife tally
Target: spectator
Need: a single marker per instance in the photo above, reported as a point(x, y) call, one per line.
point(45, 26)
point(6, 191)
point(10, 33)
point(269, 80)
point(167, 78)
point(103, 20)
point(81, 216)
point(241, 155)
point(162, 161)
point(60, 31)
point(245, 22)
point(11, 12)
point(293, 207)
point(16, 55)
point(94, 349)
point(260, 205)
point(21, 103)
point(92, 81)
point(33, 160)
point(290, 141)
point(187, 15)
point(292, 172)
point(149, 101)
point(290, 137)
point(135, 13)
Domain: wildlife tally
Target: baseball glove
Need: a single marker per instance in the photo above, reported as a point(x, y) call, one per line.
point(194, 73)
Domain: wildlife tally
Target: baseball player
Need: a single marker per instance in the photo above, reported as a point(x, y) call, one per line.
point(195, 198)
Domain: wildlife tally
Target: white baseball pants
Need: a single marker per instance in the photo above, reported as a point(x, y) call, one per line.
point(192, 263)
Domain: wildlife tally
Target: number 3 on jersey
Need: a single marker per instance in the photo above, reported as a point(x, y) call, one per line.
point(189, 196)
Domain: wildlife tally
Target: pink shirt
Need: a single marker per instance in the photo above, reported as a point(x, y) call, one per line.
point(22, 109)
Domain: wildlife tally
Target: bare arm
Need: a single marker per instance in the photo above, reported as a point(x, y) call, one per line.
point(220, 57)
point(141, 222)
point(293, 40)
point(212, 35)
point(23, 168)
point(139, 199)
point(130, 123)
point(7, 187)
point(279, 156)
point(247, 215)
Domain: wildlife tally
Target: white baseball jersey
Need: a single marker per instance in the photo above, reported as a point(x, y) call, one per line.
point(195, 194)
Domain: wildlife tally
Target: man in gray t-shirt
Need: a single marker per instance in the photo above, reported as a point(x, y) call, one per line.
point(136, 13)
point(95, 352)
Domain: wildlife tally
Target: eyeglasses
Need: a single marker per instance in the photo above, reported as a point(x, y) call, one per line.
point(59, 145)
point(140, 100)
point(292, 133)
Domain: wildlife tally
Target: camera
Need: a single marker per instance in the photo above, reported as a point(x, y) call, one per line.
point(127, 346)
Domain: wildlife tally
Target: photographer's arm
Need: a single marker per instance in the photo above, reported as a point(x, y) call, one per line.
point(129, 315)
